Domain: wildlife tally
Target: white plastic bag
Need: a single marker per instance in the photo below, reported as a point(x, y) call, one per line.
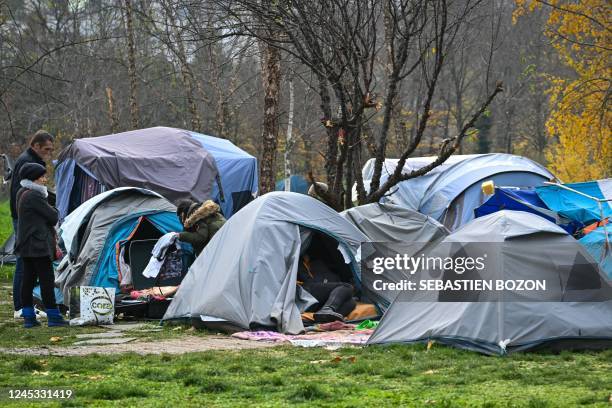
point(90, 305)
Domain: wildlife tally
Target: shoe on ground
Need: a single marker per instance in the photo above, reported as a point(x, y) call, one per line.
point(29, 318)
point(326, 315)
point(55, 318)
point(39, 314)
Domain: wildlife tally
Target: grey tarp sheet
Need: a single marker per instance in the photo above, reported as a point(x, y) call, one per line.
point(247, 274)
point(77, 269)
point(390, 223)
point(166, 160)
point(501, 327)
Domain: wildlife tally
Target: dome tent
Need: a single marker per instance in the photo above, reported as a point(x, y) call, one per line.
point(576, 312)
point(95, 232)
point(175, 163)
point(246, 275)
point(450, 192)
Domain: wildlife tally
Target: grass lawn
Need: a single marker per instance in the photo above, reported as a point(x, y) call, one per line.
point(373, 376)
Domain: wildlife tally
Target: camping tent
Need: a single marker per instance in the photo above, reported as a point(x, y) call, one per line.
point(298, 184)
point(450, 192)
point(246, 275)
point(388, 223)
point(574, 311)
point(175, 163)
point(95, 233)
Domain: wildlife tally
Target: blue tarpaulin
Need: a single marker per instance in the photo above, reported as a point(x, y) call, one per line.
point(575, 206)
point(523, 200)
point(298, 184)
point(595, 243)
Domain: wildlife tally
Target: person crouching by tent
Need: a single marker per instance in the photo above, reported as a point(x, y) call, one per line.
point(35, 243)
point(327, 288)
point(201, 221)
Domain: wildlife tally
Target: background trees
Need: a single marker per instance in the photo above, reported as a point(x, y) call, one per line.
point(371, 79)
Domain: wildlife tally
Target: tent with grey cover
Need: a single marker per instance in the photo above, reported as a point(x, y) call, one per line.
point(575, 310)
point(246, 276)
point(390, 223)
point(96, 231)
point(451, 191)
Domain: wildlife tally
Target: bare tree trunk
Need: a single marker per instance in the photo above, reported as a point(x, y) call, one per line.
point(112, 115)
point(129, 24)
point(289, 140)
point(186, 75)
point(271, 74)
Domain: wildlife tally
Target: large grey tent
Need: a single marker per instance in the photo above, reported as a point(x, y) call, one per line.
point(450, 192)
point(575, 311)
point(246, 275)
point(175, 163)
point(388, 223)
point(96, 231)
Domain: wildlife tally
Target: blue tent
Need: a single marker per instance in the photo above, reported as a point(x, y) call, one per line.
point(595, 243)
point(238, 171)
point(576, 206)
point(175, 163)
point(98, 232)
point(450, 192)
point(523, 200)
point(298, 184)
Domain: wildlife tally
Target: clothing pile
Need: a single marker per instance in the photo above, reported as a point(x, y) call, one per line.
point(166, 258)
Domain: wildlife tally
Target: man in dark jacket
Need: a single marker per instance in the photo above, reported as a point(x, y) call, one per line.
point(35, 244)
point(41, 148)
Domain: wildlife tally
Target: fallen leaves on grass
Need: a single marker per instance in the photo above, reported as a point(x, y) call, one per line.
point(96, 377)
point(43, 373)
point(55, 339)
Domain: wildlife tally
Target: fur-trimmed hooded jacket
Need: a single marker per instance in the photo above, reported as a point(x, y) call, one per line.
point(203, 221)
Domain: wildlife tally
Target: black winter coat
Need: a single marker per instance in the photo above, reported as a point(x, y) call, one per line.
point(29, 156)
point(37, 219)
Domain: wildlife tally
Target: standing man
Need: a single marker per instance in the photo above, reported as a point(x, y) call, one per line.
point(40, 150)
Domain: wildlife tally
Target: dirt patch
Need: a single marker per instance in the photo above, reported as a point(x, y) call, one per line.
point(188, 344)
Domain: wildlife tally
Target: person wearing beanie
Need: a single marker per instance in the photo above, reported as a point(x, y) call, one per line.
point(39, 151)
point(35, 244)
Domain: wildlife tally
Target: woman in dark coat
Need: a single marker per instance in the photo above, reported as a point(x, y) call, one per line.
point(200, 222)
point(36, 244)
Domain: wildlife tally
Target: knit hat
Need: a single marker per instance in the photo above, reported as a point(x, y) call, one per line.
point(32, 171)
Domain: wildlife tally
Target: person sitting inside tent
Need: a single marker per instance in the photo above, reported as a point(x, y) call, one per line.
point(201, 221)
point(327, 287)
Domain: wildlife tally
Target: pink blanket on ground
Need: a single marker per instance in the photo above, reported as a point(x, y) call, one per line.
point(312, 339)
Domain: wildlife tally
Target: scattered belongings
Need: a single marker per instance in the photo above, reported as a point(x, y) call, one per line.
point(575, 311)
point(91, 305)
point(156, 159)
point(450, 192)
point(345, 335)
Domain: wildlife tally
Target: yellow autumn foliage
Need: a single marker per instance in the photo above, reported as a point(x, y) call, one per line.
point(580, 121)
